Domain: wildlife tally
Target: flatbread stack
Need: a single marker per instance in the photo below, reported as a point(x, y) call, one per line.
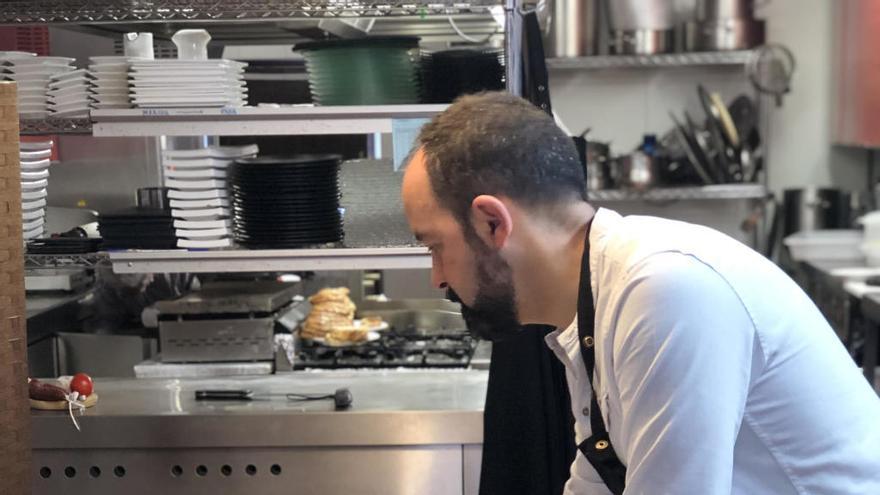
point(332, 318)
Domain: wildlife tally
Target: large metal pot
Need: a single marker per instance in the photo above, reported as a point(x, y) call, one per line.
point(572, 28)
point(815, 208)
point(717, 10)
point(724, 34)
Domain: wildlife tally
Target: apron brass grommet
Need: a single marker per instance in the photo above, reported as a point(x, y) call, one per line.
point(588, 341)
point(601, 445)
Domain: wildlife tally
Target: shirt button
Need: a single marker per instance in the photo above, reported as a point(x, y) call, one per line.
point(586, 411)
point(588, 342)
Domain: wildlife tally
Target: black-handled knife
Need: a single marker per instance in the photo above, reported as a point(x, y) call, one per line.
point(224, 395)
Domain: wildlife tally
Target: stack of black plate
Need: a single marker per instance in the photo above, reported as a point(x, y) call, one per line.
point(449, 74)
point(138, 228)
point(286, 202)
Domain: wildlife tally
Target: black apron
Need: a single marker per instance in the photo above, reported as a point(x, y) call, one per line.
point(597, 449)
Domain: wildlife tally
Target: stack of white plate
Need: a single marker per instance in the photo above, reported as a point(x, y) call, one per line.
point(110, 83)
point(198, 196)
point(69, 94)
point(170, 83)
point(35, 160)
point(33, 75)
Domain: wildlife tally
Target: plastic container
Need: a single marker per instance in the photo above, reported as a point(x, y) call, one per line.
point(839, 245)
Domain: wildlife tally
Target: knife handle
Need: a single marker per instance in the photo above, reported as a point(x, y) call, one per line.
point(224, 395)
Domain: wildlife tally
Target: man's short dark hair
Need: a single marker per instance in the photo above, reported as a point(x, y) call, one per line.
point(498, 144)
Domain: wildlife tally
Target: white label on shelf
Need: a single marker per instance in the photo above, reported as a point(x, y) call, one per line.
point(403, 135)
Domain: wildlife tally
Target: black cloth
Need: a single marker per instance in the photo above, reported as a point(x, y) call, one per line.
point(528, 428)
point(536, 81)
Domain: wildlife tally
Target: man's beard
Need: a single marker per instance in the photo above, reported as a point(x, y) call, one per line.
point(493, 313)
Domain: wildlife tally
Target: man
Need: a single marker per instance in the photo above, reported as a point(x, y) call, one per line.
point(712, 372)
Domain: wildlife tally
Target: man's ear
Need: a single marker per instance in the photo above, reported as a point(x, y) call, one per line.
point(491, 220)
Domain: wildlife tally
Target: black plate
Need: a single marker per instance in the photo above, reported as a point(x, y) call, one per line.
point(256, 194)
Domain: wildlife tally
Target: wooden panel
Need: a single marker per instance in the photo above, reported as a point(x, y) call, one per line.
point(857, 73)
point(15, 440)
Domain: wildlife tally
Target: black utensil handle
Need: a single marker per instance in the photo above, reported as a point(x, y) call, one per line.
point(224, 395)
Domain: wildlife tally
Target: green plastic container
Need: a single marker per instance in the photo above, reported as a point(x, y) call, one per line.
point(366, 71)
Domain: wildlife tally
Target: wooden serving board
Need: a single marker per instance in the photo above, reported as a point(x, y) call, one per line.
point(61, 405)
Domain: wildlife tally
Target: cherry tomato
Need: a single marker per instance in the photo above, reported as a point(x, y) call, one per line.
point(82, 383)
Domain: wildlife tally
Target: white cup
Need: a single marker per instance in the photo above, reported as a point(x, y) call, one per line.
point(138, 45)
point(192, 44)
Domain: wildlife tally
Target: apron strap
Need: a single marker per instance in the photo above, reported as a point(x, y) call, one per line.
point(597, 449)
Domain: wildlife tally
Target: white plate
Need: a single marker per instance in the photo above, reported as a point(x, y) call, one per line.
point(33, 195)
point(109, 67)
point(180, 93)
point(33, 214)
point(205, 173)
point(40, 70)
point(69, 83)
point(180, 73)
point(31, 156)
point(33, 114)
point(187, 81)
point(33, 205)
point(30, 92)
point(115, 58)
point(195, 204)
point(40, 174)
point(111, 106)
point(190, 104)
point(202, 224)
point(193, 244)
point(81, 104)
point(35, 145)
point(197, 163)
point(43, 60)
point(74, 99)
point(34, 185)
point(176, 62)
point(371, 336)
point(33, 234)
point(33, 224)
point(72, 114)
point(36, 165)
point(202, 213)
point(13, 55)
point(195, 184)
point(111, 80)
point(197, 194)
point(32, 100)
point(228, 152)
point(202, 233)
point(74, 74)
point(69, 90)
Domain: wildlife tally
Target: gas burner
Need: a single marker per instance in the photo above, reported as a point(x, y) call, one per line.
point(409, 349)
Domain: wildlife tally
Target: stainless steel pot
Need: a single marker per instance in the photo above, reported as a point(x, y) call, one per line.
point(724, 34)
point(637, 170)
point(716, 10)
point(815, 208)
point(639, 15)
point(642, 42)
point(572, 28)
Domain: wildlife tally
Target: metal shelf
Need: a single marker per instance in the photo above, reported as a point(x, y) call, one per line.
point(670, 60)
point(116, 11)
point(389, 258)
point(88, 260)
point(39, 127)
point(722, 191)
point(255, 121)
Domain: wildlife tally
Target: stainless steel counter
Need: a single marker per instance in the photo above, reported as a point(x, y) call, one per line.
point(390, 408)
point(407, 432)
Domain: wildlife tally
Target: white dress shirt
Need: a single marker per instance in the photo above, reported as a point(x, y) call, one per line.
point(715, 373)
